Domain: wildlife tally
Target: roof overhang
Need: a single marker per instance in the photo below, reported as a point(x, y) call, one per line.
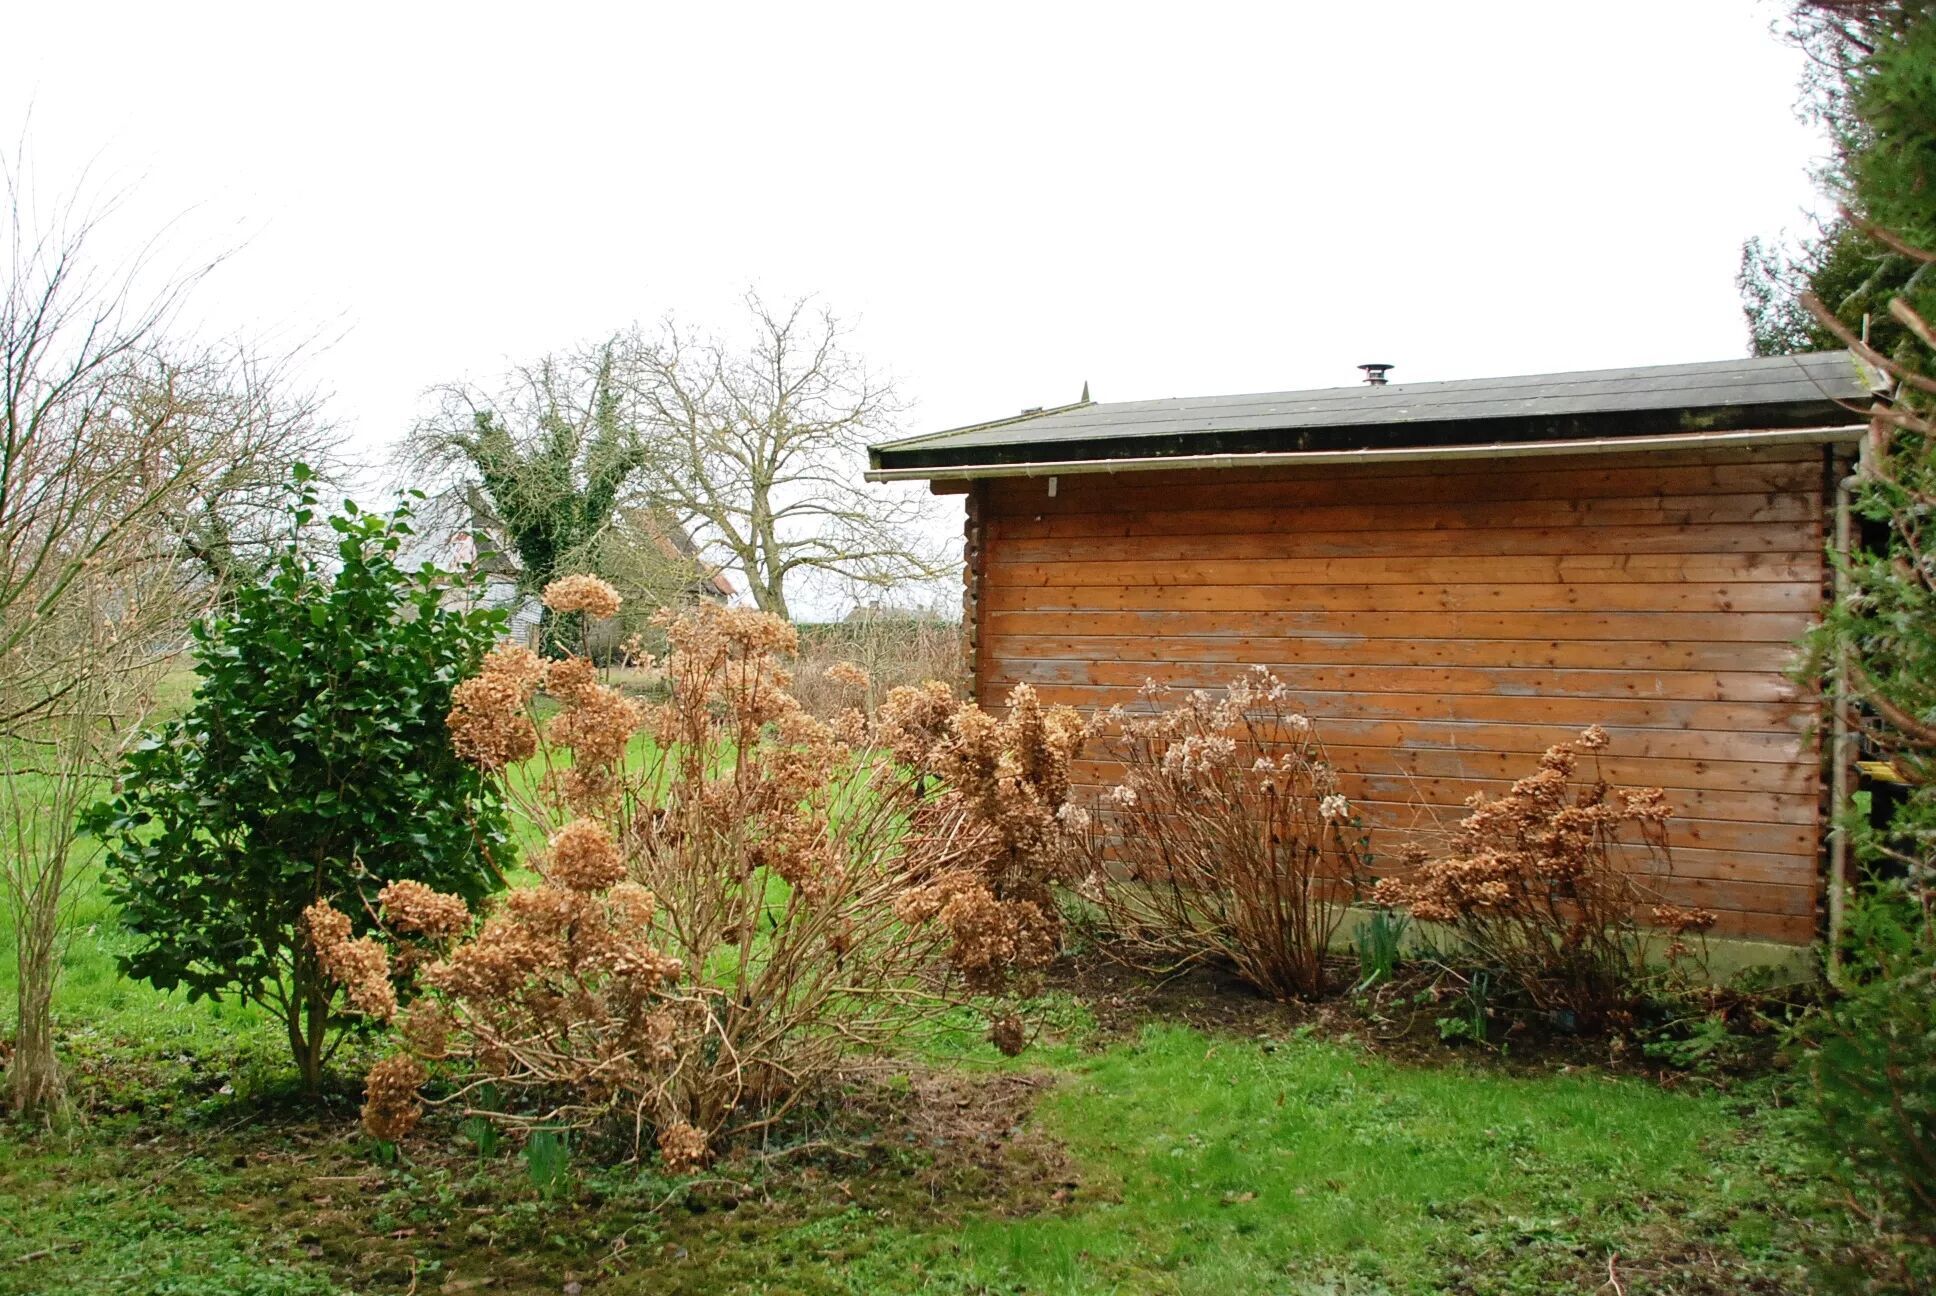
point(1384, 454)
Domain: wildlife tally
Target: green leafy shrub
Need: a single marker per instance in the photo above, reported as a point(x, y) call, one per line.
point(313, 758)
point(1873, 1076)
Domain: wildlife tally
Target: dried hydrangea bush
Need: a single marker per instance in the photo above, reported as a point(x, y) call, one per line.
point(1227, 837)
point(1539, 886)
point(728, 909)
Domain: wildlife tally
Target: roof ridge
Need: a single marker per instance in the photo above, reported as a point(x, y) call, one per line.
point(1392, 388)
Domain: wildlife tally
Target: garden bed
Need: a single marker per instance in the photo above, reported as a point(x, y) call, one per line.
point(1161, 1134)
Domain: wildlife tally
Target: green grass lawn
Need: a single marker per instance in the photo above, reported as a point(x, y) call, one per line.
point(1168, 1161)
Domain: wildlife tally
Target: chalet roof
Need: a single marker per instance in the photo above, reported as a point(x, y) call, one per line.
point(1777, 392)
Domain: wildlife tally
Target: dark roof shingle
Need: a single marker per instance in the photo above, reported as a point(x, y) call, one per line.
point(1778, 391)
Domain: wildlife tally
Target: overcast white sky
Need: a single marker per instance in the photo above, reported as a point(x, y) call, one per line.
point(1162, 200)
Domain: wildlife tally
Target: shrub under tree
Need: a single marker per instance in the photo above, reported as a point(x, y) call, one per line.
point(313, 758)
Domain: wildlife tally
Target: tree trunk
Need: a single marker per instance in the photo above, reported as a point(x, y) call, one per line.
point(34, 1084)
point(306, 1016)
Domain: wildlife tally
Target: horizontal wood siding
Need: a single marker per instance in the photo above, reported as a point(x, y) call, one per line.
point(1445, 623)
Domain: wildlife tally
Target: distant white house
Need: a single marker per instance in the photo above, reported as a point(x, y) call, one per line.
point(455, 530)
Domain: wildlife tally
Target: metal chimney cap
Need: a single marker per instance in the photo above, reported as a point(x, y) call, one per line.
point(1375, 373)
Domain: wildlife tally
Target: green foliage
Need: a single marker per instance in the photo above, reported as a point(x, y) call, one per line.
point(1884, 115)
point(547, 1160)
point(1873, 1070)
point(1872, 86)
point(556, 457)
point(481, 1134)
point(1888, 621)
point(555, 484)
point(312, 764)
point(1873, 1053)
point(1854, 275)
point(1165, 1161)
point(1471, 1011)
point(1379, 941)
point(1302, 1166)
point(1704, 1043)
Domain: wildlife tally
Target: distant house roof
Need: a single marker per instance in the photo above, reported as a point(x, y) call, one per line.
point(456, 528)
point(676, 543)
point(1765, 393)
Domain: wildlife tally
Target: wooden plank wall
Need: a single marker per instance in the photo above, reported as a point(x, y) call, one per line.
point(1444, 623)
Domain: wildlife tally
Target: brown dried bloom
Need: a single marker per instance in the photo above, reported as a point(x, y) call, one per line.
point(850, 674)
point(596, 724)
point(416, 909)
point(582, 593)
point(914, 719)
point(1680, 921)
point(989, 937)
point(1228, 835)
point(361, 967)
point(390, 1106)
point(1006, 1034)
point(1535, 881)
point(517, 665)
point(777, 849)
point(488, 723)
point(682, 1148)
point(426, 1027)
point(571, 680)
point(631, 907)
point(850, 727)
point(583, 857)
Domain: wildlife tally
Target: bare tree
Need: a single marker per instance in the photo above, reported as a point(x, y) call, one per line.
point(50, 773)
point(759, 451)
point(116, 445)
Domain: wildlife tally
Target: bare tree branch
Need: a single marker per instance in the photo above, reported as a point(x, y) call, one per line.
point(761, 446)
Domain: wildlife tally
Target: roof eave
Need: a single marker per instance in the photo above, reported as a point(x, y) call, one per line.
point(1738, 438)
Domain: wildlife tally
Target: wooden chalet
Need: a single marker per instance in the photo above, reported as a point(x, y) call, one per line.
point(1453, 576)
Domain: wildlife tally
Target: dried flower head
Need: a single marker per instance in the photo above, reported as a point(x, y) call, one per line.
point(715, 926)
point(683, 1148)
point(846, 672)
point(582, 593)
point(597, 724)
point(1006, 1034)
point(488, 721)
point(361, 967)
point(582, 856)
point(915, 719)
point(390, 1105)
point(1680, 921)
point(1221, 838)
point(1536, 881)
point(414, 909)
